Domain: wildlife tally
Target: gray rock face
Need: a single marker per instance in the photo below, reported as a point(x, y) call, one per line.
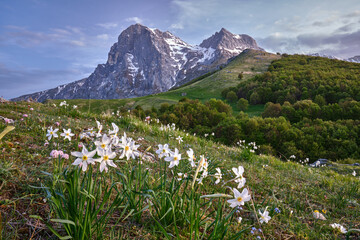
point(355, 59)
point(146, 61)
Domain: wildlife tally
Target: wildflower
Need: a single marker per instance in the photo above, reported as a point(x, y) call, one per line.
point(103, 144)
point(264, 216)
point(354, 173)
point(75, 107)
point(218, 175)
point(191, 156)
point(66, 156)
point(54, 154)
point(239, 198)
point(7, 120)
point(239, 176)
point(129, 149)
point(84, 158)
point(292, 156)
point(52, 133)
point(180, 139)
point(181, 176)
point(57, 123)
point(163, 150)
point(91, 132)
point(31, 109)
point(67, 134)
point(113, 133)
point(239, 220)
point(318, 215)
point(277, 210)
point(105, 159)
point(174, 158)
point(338, 227)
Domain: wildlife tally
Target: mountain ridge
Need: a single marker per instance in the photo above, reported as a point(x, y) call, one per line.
point(146, 61)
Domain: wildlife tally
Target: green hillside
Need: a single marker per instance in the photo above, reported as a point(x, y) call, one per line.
point(250, 63)
point(42, 192)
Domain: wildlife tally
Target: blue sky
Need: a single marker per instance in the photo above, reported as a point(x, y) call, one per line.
point(45, 43)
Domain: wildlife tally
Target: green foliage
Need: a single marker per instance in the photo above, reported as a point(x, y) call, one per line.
point(242, 104)
point(231, 96)
point(299, 77)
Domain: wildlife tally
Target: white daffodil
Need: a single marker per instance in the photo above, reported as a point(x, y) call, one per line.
point(100, 127)
point(114, 133)
point(180, 139)
point(181, 176)
point(174, 158)
point(218, 175)
point(163, 150)
point(264, 216)
point(239, 198)
point(318, 215)
point(204, 164)
point(91, 132)
point(338, 227)
point(191, 156)
point(67, 134)
point(84, 158)
point(239, 220)
point(52, 133)
point(239, 176)
point(129, 149)
point(104, 143)
point(354, 173)
point(106, 156)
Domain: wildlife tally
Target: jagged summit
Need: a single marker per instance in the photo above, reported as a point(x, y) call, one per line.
point(146, 61)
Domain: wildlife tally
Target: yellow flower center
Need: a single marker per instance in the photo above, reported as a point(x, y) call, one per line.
point(103, 145)
point(127, 148)
point(84, 158)
point(239, 199)
point(316, 211)
point(175, 158)
point(164, 150)
point(106, 157)
point(67, 134)
point(51, 133)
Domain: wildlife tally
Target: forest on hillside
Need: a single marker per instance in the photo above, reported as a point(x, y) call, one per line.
point(312, 110)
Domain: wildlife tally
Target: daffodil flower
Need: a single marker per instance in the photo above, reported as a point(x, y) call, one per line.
point(163, 150)
point(174, 158)
point(264, 216)
point(106, 156)
point(84, 158)
point(52, 133)
point(239, 198)
point(218, 175)
point(67, 134)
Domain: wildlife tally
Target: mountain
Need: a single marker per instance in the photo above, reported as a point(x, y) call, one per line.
point(355, 59)
point(146, 61)
point(324, 56)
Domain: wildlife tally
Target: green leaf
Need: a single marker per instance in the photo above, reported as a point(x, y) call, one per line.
point(6, 130)
point(64, 221)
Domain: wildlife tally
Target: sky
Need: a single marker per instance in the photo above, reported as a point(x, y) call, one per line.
point(46, 43)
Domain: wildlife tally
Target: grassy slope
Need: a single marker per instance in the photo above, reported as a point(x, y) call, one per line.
point(250, 63)
point(295, 189)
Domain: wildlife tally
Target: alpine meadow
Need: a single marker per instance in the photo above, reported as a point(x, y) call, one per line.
point(232, 138)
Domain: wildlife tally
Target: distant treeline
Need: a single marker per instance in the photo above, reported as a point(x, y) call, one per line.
point(276, 135)
point(299, 77)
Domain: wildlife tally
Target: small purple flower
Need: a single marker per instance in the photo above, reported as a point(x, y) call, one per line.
point(258, 237)
point(259, 230)
point(25, 115)
point(253, 228)
point(277, 210)
point(57, 123)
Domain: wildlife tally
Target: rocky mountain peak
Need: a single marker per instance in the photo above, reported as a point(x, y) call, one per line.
point(146, 61)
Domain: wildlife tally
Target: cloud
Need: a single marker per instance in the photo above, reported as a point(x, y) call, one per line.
point(108, 25)
point(353, 14)
point(176, 26)
point(23, 37)
point(103, 37)
point(134, 19)
point(19, 81)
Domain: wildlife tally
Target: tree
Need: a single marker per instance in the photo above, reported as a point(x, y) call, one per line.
point(242, 104)
point(231, 96)
point(255, 98)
